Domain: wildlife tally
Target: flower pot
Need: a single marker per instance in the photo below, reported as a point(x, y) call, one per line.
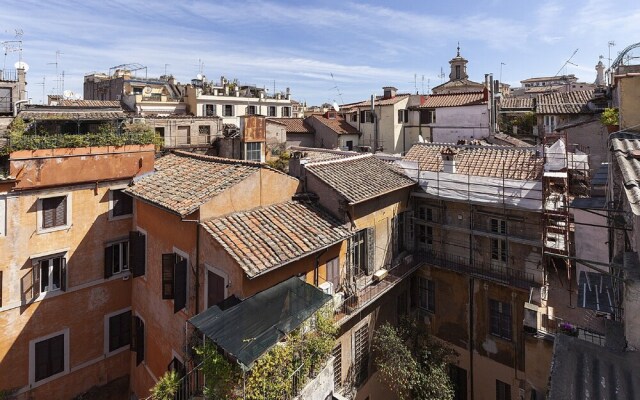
point(613, 128)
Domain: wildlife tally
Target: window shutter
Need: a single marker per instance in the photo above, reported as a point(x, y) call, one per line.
point(139, 341)
point(61, 211)
point(114, 332)
point(408, 232)
point(63, 274)
point(108, 262)
point(168, 265)
point(371, 250)
point(362, 116)
point(137, 253)
point(180, 286)
point(30, 282)
point(133, 342)
point(47, 213)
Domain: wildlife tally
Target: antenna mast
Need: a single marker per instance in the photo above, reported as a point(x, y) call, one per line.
point(336, 88)
point(567, 62)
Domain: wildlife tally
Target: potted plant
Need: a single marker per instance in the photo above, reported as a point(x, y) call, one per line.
point(609, 118)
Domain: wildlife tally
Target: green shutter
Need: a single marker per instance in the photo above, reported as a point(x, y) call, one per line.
point(371, 250)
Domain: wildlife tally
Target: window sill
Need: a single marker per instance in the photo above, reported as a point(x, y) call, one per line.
point(117, 351)
point(48, 379)
point(41, 231)
point(119, 217)
point(510, 340)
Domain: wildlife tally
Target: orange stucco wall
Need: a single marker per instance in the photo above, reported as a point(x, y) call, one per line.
point(88, 294)
point(64, 166)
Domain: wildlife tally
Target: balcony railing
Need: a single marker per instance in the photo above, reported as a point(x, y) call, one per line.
point(10, 75)
point(500, 274)
point(373, 290)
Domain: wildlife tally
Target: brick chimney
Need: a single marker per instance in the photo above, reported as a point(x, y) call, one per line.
point(389, 92)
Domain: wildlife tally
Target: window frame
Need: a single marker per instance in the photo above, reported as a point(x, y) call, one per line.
point(210, 110)
point(123, 260)
point(248, 151)
point(252, 110)
point(503, 390)
point(498, 247)
point(500, 319)
point(272, 111)
point(286, 112)
point(32, 358)
point(107, 332)
point(40, 213)
point(426, 294)
point(403, 116)
point(112, 216)
point(36, 265)
point(231, 109)
point(3, 214)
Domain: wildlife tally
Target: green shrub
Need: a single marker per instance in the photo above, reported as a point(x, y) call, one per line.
point(609, 116)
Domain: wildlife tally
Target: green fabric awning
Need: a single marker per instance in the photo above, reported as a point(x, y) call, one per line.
point(250, 328)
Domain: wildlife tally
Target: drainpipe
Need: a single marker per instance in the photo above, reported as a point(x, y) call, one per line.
point(15, 106)
point(471, 338)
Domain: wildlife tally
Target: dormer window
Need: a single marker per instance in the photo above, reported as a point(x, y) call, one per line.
point(457, 72)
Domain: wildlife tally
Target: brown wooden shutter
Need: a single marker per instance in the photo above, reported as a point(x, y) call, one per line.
point(108, 262)
point(139, 348)
point(133, 342)
point(115, 327)
point(137, 253)
point(61, 211)
point(48, 213)
point(180, 286)
point(371, 250)
point(35, 284)
point(168, 266)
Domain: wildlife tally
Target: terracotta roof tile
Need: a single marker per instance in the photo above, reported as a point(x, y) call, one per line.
point(338, 124)
point(453, 100)
point(457, 83)
point(565, 103)
point(184, 181)
point(507, 162)
point(72, 114)
point(266, 238)
point(359, 178)
point(89, 103)
point(379, 101)
point(294, 125)
point(517, 103)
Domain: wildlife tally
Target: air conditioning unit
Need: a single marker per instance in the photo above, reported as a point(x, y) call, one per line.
point(380, 275)
point(326, 287)
point(118, 97)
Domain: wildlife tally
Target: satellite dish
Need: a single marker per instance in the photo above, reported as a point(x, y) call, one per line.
point(336, 106)
point(147, 89)
point(420, 139)
point(199, 77)
point(21, 65)
point(67, 94)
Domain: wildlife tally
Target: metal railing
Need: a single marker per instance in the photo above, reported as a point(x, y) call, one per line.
point(191, 384)
point(10, 75)
point(560, 326)
point(500, 274)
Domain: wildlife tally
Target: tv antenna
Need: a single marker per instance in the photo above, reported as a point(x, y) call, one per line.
point(58, 53)
point(11, 46)
point(441, 75)
point(335, 86)
point(43, 87)
point(567, 62)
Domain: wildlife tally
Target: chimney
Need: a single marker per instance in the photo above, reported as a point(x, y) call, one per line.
point(600, 74)
point(389, 92)
point(448, 160)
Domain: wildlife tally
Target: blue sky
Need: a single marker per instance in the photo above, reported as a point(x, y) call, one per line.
point(365, 45)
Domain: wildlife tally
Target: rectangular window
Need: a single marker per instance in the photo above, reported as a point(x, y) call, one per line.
point(403, 116)
point(116, 258)
point(500, 319)
point(362, 251)
point(354, 117)
point(49, 357)
point(427, 291)
point(205, 134)
point(366, 116)
point(503, 390)
point(272, 111)
point(426, 213)
point(227, 110)
point(54, 212)
point(425, 237)
point(119, 330)
point(49, 274)
point(361, 342)
point(121, 203)
point(174, 280)
point(333, 272)
point(253, 151)
point(337, 366)
point(209, 110)
point(550, 122)
point(137, 338)
point(286, 111)
point(498, 246)
point(251, 110)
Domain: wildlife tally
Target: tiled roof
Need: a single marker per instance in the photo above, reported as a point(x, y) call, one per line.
point(66, 115)
point(506, 140)
point(294, 125)
point(359, 178)
point(565, 103)
point(265, 238)
point(318, 154)
point(495, 161)
point(626, 147)
point(517, 103)
point(379, 101)
point(337, 124)
point(184, 181)
point(89, 103)
point(453, 100)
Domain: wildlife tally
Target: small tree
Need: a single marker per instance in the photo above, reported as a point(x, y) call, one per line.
point(609, 116)
point(412, 363)
point(220, 376)
point(166, 387)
